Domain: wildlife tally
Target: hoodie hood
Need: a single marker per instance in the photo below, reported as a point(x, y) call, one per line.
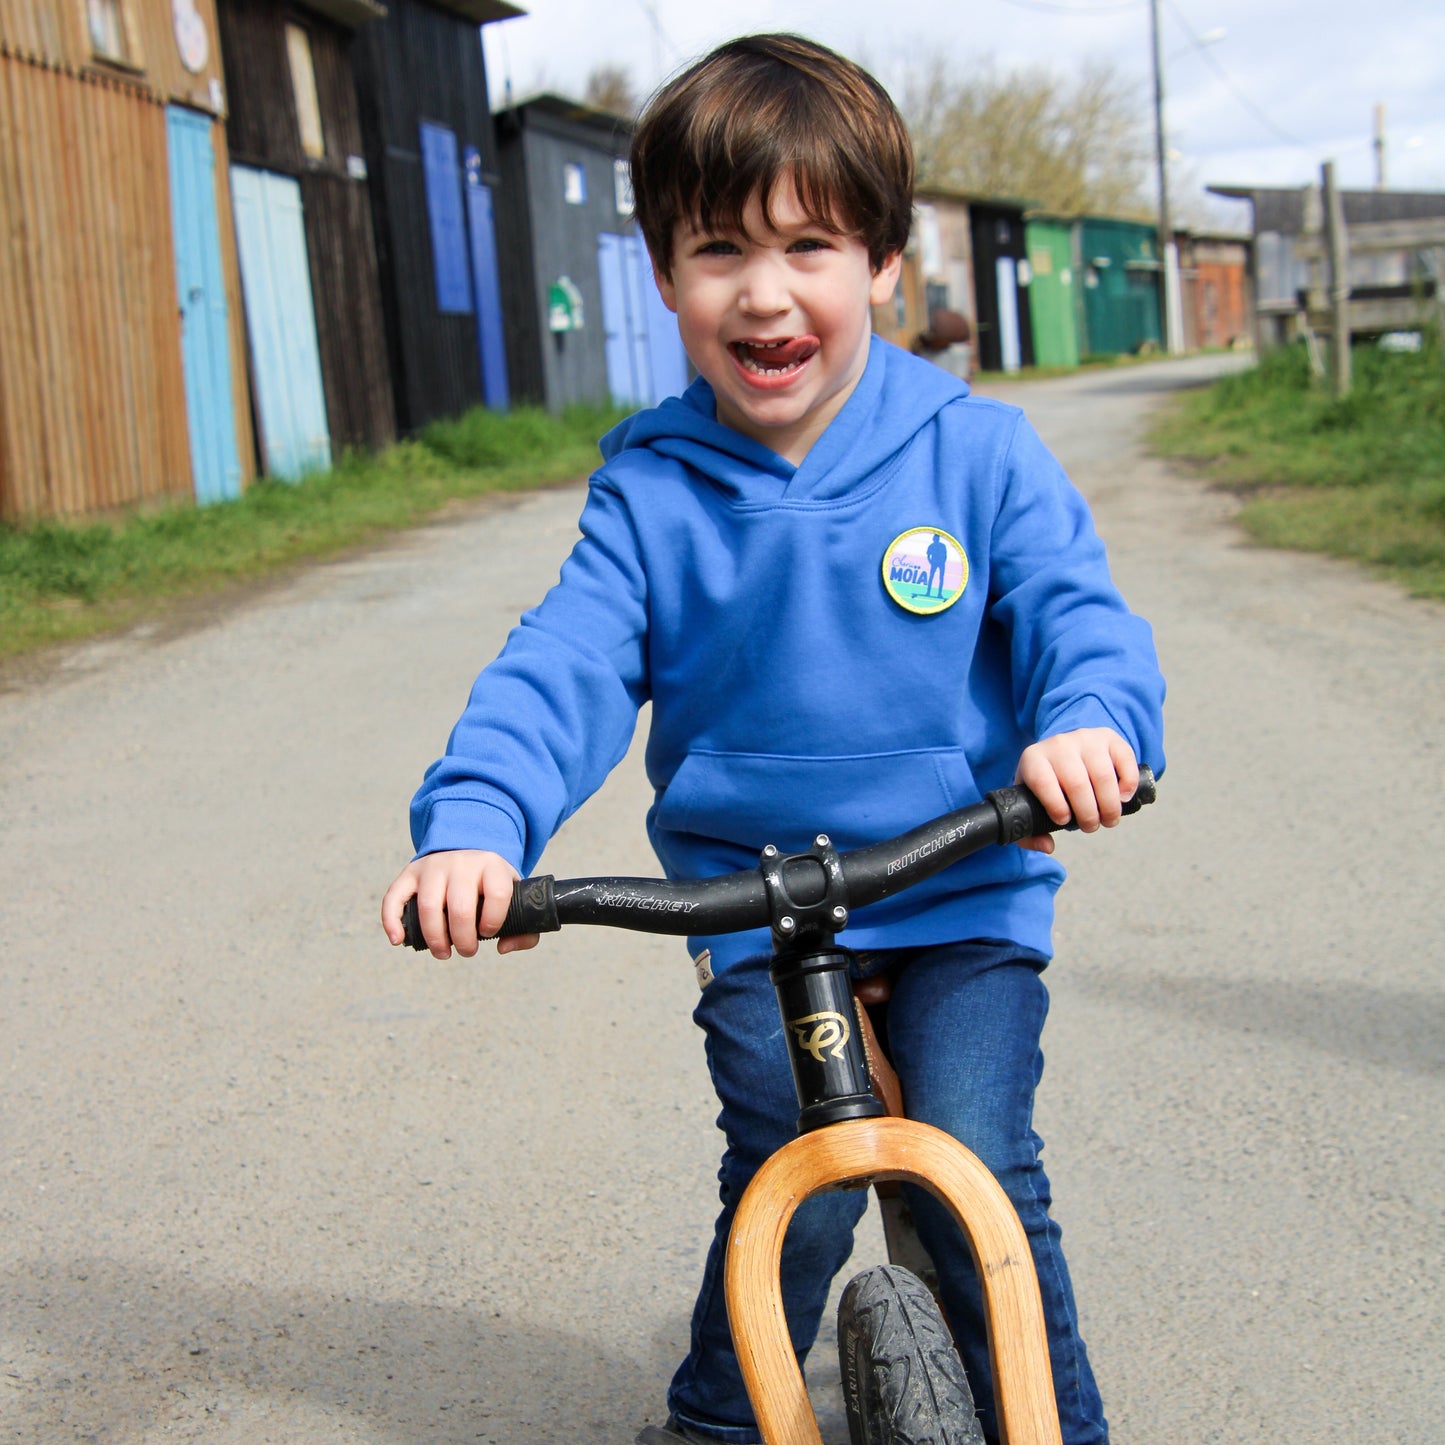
point(892, 401)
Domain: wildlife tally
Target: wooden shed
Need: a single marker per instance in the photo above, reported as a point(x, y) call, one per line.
point(1217, 294)
point(585, 322)
point(431, 159)
point(1282, 271)
point(304, 232)
point(122, 369)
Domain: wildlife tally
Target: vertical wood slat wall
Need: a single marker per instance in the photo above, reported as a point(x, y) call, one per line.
point(92, 392)
point(262, 132)
point(92, 397)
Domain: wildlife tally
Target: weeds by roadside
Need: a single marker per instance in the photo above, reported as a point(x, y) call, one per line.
point(63, 581)
point(1362, 478)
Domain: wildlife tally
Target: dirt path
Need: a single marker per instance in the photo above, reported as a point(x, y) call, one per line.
point(265, 1180)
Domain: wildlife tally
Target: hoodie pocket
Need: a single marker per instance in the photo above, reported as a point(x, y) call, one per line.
point(753, 799)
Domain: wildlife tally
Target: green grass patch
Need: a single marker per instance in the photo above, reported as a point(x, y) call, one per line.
point(64, 581)
point(1363, 477)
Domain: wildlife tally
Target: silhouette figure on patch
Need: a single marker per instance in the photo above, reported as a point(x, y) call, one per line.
point(937, 555)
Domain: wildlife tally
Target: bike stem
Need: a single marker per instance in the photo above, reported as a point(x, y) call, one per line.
point(815, 994)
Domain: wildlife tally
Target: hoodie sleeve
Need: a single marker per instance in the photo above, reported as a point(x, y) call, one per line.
point(1079, 657)
point(549, 719)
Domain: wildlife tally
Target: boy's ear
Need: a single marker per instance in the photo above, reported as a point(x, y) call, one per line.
point(885, 279)
point(665, 288)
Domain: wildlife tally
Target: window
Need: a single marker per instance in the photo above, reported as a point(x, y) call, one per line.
point(303, 87)
point(574, 184)
point(110, 35)
point(622, 188)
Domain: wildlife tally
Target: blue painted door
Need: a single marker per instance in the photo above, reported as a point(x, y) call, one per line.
point(442, 176)
point(491, 341)
point(281, 323)
point(666, 359)
point(636, 324)
point(205, 332)
point(645, 359)
point(623, 382)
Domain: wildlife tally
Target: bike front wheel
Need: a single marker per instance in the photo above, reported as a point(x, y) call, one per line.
point(902, 1380)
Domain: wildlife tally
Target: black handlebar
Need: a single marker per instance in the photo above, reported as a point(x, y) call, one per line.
point(803, 882)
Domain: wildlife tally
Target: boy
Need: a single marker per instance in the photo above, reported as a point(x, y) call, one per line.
point(759, 560)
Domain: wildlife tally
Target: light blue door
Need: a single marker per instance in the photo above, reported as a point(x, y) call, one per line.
point(281, 323)
point(624, 383)
point(666, 359)
point(1006, 272)
point(645, 359)
point(637, 319)
point(491, 340)
point(205, 333)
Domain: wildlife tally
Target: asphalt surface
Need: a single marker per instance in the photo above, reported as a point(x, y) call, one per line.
point(263, 1178)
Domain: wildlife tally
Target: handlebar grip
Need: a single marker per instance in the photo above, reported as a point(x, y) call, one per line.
point(1021, 815)
point(533, 909)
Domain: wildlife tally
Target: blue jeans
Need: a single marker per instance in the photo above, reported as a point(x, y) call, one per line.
point(963, 1030)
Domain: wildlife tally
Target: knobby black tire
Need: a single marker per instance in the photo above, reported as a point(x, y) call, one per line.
point(902, 1380)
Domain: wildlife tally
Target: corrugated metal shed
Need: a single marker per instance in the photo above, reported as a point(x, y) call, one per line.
point(1120, 264)
point(584, 320)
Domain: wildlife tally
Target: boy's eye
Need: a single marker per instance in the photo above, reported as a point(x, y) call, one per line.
point(717, 248)
point(808, 245)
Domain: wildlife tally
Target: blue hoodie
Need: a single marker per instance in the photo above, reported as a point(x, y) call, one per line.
point(747, 599)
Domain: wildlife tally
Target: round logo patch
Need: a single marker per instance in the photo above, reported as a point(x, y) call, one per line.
point(925, 570)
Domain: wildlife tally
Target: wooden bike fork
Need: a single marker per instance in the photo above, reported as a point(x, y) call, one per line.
point(861, 1151)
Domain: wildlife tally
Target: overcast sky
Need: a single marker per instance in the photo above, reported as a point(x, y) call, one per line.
point(1257, 92)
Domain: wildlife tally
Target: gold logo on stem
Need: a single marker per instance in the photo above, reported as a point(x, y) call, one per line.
point(817, 1032)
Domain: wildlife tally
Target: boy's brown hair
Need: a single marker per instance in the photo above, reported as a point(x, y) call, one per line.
point(763, 109)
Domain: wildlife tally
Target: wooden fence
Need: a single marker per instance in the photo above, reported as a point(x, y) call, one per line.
point(1334, 312)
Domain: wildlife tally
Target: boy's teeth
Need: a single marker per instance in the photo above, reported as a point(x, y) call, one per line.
point(775, 355)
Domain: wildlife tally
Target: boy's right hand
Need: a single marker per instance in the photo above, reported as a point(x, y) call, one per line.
point(447, 887)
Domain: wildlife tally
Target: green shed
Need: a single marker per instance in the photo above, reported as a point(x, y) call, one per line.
point(1052, 290)
point(1120, 262)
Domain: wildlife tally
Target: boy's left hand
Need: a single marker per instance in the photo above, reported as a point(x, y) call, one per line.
point(1086, 775)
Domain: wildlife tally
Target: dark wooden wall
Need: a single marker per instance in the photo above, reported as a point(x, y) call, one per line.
point(263, 133)
point(516, 265)
point(420, 63)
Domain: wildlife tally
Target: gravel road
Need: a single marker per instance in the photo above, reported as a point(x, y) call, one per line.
point(263, 1179)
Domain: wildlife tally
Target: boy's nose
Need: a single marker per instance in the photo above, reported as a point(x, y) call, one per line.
point(763, 292)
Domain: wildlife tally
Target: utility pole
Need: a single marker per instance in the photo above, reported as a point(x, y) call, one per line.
point(1380, 147)
point(1337, 253)
point(1168, 251)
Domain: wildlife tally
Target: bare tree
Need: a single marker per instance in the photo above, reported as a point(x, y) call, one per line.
point(609, 87)
point(1065, 144)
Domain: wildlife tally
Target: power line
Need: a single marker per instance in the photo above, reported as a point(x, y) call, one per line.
point(659, 31)
point(1083, 12)
point(1202, 46)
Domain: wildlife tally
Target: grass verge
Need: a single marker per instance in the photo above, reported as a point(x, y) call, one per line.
point(1362, 478)
point(62, 581)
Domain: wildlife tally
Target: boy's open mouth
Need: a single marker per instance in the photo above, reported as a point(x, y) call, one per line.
point(775, 358)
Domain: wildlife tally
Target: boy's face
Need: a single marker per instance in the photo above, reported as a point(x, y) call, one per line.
point(777, 320)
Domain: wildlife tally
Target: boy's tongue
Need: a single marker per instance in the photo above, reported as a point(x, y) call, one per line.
point(781, 356)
